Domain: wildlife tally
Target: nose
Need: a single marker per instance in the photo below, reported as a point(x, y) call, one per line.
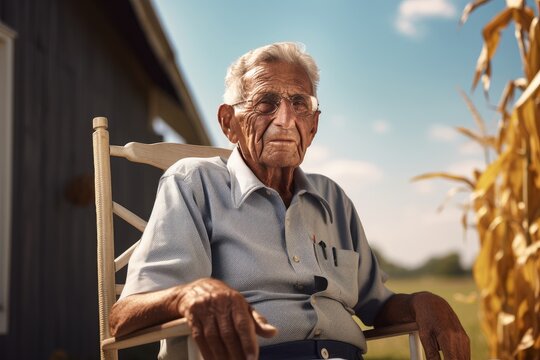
point(285, 115)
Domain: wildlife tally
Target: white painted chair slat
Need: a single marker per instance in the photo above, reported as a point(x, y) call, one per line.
point(123, 259)
point(415, 346)
point(174, 328)
point(410, 329)
point(129, 217)
point(163, 155)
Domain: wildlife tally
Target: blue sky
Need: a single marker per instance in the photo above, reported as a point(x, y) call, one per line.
point(390, 71)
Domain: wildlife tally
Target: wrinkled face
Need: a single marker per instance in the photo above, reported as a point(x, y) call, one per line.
point(282, 138)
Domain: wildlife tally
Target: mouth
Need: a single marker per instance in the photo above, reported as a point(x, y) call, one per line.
point(282, 142)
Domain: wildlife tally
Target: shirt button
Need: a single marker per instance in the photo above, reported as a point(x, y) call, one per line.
point(313, 301)
point(317, 332)
point(296, 259)
point(324, 353)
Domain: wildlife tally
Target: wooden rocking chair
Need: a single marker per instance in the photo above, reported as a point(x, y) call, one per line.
point(160, 155)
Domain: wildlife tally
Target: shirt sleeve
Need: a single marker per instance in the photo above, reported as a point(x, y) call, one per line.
point(372, 293)
point(174, 247)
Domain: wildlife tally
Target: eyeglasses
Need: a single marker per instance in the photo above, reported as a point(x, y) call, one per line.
point(268, 103)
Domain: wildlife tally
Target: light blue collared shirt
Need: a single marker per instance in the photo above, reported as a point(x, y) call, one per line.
point(214, 217)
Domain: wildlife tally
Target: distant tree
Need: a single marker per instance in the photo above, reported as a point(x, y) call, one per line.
point(447, 265)
point(390, 268)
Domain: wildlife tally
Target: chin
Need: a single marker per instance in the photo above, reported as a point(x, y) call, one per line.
point(283, 159)
point(283, 163)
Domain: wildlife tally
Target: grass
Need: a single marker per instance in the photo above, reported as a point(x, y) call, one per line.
point(459, 292)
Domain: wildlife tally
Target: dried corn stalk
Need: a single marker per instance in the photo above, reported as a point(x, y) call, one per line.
point(506, 195)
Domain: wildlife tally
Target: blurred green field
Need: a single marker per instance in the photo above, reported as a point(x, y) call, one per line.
point(459, 292)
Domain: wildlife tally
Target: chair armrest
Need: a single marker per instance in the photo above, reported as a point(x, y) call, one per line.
point(174, 328)
point(390, 330)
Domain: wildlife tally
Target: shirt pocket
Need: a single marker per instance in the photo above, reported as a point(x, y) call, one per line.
point(340, 269)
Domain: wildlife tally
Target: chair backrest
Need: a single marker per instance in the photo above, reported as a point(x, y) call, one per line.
point(159, 155)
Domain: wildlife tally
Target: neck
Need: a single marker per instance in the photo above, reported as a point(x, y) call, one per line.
point(279, 179)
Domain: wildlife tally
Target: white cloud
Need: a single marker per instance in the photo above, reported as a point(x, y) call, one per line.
point(381, 126)
point(338, 120)
point(465, 167)
point(471, 148)
point(413, 11)
point(442, 133)
point(423, 186)
point(351, 174)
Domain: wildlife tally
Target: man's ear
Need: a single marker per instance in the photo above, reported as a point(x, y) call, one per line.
point(313, 130)
point(226, 117)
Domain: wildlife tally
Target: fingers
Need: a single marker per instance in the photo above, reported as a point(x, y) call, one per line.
point(198, 333)
point(440, 328)
point(430, 345)
point(234, 325)
point(245, 328)
point(223, 324)
point(455, 345)
point(262, 327)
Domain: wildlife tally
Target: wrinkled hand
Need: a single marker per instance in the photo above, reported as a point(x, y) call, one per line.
point(439, 328)
point(222, 322)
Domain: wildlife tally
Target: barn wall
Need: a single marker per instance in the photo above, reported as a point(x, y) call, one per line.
point(71, 64)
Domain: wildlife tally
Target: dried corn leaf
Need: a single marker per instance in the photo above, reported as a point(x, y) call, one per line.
point(508, 93)
point(515, 3)
point(533, 56)
point(481, 64)
point(490, 174)
point(444, 175)
point(484, 140)
point(476, 115)
point(491, 34)
point(523, 17)
point(503, 131)
point(527, 114)
point(483, 270)
point(529, 91)
point(469, 8)
point(526, 341)
point(450, 195)
point(464, 222)
point(519, 244)
point(530, 251)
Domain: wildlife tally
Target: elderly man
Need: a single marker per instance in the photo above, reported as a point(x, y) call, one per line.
point(231, 243)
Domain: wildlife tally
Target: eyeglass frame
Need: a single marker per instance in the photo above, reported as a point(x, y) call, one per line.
point(313, 99)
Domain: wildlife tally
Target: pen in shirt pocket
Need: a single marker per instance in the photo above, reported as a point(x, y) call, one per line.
point(322, 244)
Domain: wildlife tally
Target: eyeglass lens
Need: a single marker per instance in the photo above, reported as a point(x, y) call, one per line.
point(301, 104)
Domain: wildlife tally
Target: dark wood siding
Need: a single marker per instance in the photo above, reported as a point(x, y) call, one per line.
point(71, 64)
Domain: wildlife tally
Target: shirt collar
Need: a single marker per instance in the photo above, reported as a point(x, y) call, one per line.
point(243, 180)
point(244, 183)
point(303, 185)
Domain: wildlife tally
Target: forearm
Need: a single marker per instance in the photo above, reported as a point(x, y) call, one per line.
point(397, 309)
point(142, 310)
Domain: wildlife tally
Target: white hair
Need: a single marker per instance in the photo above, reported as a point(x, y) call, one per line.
point(289, 52)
